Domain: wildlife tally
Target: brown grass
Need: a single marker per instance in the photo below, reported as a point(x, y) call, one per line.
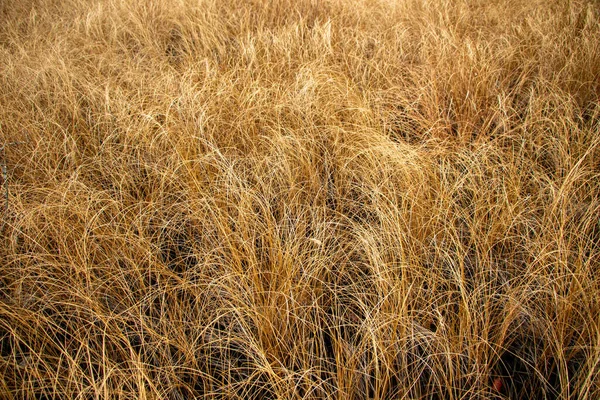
point(300, 199)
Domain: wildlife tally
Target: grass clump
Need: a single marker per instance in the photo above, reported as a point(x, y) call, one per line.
point(300, 199)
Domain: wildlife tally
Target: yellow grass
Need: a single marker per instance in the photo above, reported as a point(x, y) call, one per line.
point(300, 199)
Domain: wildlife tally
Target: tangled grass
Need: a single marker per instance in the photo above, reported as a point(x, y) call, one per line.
point(300, 199)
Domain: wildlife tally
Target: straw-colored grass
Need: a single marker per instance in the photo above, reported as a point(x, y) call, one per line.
point(300, 199)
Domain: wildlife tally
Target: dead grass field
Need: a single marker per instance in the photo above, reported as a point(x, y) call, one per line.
point(312, 199)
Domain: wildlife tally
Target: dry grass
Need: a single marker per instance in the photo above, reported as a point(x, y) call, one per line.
point(300, 199)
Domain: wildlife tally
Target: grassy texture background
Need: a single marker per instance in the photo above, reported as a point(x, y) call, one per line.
point(300, 199)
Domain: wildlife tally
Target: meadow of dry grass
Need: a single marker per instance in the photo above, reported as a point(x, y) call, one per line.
point(281, 199)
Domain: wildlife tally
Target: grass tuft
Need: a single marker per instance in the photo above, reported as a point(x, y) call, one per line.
point(300, 199)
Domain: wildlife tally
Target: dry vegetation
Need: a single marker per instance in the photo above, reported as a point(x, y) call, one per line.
point(300, 199)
